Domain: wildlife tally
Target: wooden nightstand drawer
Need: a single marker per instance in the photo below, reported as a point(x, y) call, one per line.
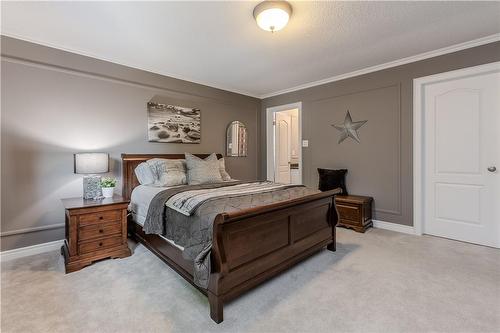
point(97, 230)
point(100, 217)
point(93, 246)
point(349, 212)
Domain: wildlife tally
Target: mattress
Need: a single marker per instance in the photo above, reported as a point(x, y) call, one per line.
point(139, 204)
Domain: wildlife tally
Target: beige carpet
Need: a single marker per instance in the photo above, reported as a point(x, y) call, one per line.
point(380, 281)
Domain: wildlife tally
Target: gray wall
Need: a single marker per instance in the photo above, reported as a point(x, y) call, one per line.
point(381, 165)
point(55, 103)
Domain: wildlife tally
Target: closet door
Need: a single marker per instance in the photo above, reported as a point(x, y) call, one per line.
point(462, 157)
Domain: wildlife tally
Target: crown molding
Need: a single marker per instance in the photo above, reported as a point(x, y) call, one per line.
point(150, 70)
point(422, 56)
point(403, 61)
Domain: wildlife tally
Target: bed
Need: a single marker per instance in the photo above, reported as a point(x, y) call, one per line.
point(248, 246)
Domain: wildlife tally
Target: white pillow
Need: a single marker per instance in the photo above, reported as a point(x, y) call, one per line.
point(222, 168)
point(168, 172)
point(145, 174)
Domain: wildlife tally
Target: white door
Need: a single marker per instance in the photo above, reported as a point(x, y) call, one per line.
point(282, 147)
point(461, 156)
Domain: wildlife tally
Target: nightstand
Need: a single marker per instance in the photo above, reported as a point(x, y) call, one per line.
point(95, 229)
point(355, 211)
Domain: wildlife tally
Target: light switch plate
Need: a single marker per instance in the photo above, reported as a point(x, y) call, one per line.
point(305, 143)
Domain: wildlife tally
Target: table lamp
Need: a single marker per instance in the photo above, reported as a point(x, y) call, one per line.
point(91, 164)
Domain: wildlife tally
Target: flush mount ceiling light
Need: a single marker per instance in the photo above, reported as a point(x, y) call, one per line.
point(272, 15)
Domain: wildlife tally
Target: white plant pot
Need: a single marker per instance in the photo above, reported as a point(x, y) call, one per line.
point(107, 192)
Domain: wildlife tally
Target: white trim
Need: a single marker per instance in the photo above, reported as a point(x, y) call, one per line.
point(270, 137)
point(422, 56)
point(33, 229)
point(417, 157)
point(30, 250)
point(418, 133)
point(405, 229)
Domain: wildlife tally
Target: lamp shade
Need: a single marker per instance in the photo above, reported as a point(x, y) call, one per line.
point(91, 163)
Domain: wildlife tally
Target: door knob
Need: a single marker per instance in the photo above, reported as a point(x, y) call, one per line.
point(492, 169)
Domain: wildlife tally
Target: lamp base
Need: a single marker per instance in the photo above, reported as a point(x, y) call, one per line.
point(92, 187)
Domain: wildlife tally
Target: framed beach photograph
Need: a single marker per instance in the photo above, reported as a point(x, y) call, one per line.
point(173, 124)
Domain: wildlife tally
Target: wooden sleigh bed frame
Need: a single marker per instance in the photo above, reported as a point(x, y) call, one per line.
point(249, 246)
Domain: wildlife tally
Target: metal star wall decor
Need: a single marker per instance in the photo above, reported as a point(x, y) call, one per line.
point(349, 128)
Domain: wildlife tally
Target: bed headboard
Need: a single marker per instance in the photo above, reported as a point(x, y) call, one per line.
point(131, 161)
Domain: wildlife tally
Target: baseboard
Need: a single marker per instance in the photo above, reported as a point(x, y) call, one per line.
point(30, 250)
point(32, 229)
point(405, 229)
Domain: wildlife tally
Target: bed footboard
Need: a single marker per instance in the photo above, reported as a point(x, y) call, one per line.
point(253, 245)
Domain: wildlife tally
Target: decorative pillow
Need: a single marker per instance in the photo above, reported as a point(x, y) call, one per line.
point(168, 172)
point(144, 174)
point(201, 171)
point(222, 168)
point(332, 179)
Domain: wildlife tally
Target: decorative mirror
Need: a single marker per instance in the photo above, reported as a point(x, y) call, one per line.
point(236, 139)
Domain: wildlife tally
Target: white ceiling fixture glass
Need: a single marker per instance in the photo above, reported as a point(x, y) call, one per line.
point(272, 15)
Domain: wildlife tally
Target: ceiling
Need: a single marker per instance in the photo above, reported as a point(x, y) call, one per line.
point(219, 43)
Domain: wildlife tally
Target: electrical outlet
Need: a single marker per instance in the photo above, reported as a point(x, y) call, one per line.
point(305, 143)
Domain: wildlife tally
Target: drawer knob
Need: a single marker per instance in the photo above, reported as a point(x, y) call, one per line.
point(100, 217)
point(101, 231)
point(100, 244)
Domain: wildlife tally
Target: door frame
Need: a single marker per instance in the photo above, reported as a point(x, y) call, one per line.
point(418, 132)
point(270, 137)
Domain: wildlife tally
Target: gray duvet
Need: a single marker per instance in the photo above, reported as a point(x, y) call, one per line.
point(194, 232)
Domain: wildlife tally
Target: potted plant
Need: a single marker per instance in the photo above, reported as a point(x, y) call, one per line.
point(108, 187)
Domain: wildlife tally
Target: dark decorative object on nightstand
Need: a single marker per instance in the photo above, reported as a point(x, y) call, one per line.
point(95, 229)
point(355, 212)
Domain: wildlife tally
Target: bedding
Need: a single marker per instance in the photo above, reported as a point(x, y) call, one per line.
point(202, 171)
point(172, 172)
point(194, 232)
point(168, 172)
point(222, 168)
point(186, 202)
point(141, 198)
point(139, 202)
point(144, 174)
point(163, 172)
